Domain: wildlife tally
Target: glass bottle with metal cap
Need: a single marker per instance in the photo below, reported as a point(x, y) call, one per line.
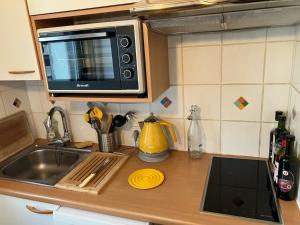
point(194, 135)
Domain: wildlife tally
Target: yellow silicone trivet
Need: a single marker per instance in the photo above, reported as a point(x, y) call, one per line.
point(146, 178)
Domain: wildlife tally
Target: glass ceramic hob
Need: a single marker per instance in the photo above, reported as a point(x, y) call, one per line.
point(241, 187)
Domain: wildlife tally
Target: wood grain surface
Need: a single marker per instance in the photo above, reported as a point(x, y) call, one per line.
point(176, 202)
point(15, 134)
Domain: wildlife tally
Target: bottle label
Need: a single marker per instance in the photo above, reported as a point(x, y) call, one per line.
point(273, 150)
point(276, 168)
point(286, 182)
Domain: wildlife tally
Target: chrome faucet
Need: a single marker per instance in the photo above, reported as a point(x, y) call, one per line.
point(50, 129)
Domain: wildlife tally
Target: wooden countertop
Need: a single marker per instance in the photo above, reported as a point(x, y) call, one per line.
point(176, 202)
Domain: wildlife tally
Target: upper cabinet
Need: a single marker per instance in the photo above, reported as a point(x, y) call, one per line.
point(37, 7)
point(17, 56)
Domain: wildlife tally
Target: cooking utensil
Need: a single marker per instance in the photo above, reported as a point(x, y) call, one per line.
point(120, 120)
point(98, 169)
point(109, 123)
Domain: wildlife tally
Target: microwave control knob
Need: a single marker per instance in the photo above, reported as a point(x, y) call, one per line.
point(125, 42)
point(128, 74)
point(126, 58)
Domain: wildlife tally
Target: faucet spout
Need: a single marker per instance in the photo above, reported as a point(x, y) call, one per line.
point(67, 131)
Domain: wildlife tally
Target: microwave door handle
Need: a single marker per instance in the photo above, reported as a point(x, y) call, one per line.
point(74, 37)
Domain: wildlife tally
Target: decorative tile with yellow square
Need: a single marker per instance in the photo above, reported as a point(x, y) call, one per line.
point(241, 103)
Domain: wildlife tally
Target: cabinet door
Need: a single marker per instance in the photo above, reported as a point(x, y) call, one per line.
point(69, 216)
point(17, 56)
point(16, 211)
point(50, 6)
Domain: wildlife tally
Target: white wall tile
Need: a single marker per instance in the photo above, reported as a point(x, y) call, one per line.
point(240, 138)
point(265, 139)
point(296, 72)
point(142, 112)
point(279, 62)
point(203, 39)
point(34, 95)
point(38, 119)
point(127, 136)
point(244, 36)
point(180, 134)
point(276, 97)
point(202, 65)
point(207, 97)
point(175, 66)
point(139, 108)
point(281, 33)
point(211, 135)
point(47, 105)
point(175, 110)
point(76, 108)
point(81, 130)
point(9, 97)
point(2, 111)
point(174, 41)
point(294, 110)
point(31, 124)
point(113, 108)
point(243, 63)
point(251, 93)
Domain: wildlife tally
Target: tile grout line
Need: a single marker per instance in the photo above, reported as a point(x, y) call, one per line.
point(228, 84)
point(298, 91)
point(262, 95)
point(292, 78)
point(183, 95)
point(230, 44)
point(221, 94)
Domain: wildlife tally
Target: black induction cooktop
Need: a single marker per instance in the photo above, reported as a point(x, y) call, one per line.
point(241, 187)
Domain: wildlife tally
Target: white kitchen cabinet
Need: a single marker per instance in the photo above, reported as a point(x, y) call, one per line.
point(50, 6)
point(17, 211)
point(18, 60)
point(69, 216)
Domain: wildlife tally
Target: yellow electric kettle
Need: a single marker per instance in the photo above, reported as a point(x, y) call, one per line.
point(153, 142)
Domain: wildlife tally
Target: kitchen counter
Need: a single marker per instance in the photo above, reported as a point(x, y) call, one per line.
point(176, 202)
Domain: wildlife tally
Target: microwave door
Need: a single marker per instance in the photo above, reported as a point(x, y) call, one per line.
point(81, 63)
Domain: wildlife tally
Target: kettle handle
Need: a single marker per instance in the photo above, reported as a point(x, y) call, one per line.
point(171, 129)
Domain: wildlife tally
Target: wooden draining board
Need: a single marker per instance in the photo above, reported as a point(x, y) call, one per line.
point(72, 180)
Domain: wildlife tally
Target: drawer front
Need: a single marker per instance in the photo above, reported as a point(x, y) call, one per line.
point(50, 6)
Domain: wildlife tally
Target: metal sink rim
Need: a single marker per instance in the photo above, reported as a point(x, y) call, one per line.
point(82, 154)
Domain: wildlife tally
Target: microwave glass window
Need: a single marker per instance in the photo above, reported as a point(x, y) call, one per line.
point(79, 60)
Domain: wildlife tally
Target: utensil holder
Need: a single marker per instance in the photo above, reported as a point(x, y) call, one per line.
point(109, 142)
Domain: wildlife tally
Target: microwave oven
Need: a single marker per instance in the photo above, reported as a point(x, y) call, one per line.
point(95, 58)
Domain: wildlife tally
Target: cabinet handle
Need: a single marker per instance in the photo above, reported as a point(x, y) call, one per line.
point(21, 71)
point(38, 211)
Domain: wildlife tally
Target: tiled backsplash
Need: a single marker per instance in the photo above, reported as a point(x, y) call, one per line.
point(217, 71)
point(238, 78)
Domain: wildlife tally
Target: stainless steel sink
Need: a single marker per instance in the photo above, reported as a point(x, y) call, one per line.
point(41, 165)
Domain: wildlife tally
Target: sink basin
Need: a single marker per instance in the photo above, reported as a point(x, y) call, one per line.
point(42, 165)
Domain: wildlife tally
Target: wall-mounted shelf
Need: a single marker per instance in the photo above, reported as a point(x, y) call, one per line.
point(155, 52)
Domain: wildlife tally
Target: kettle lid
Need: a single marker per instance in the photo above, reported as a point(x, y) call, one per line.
point(151, 119)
